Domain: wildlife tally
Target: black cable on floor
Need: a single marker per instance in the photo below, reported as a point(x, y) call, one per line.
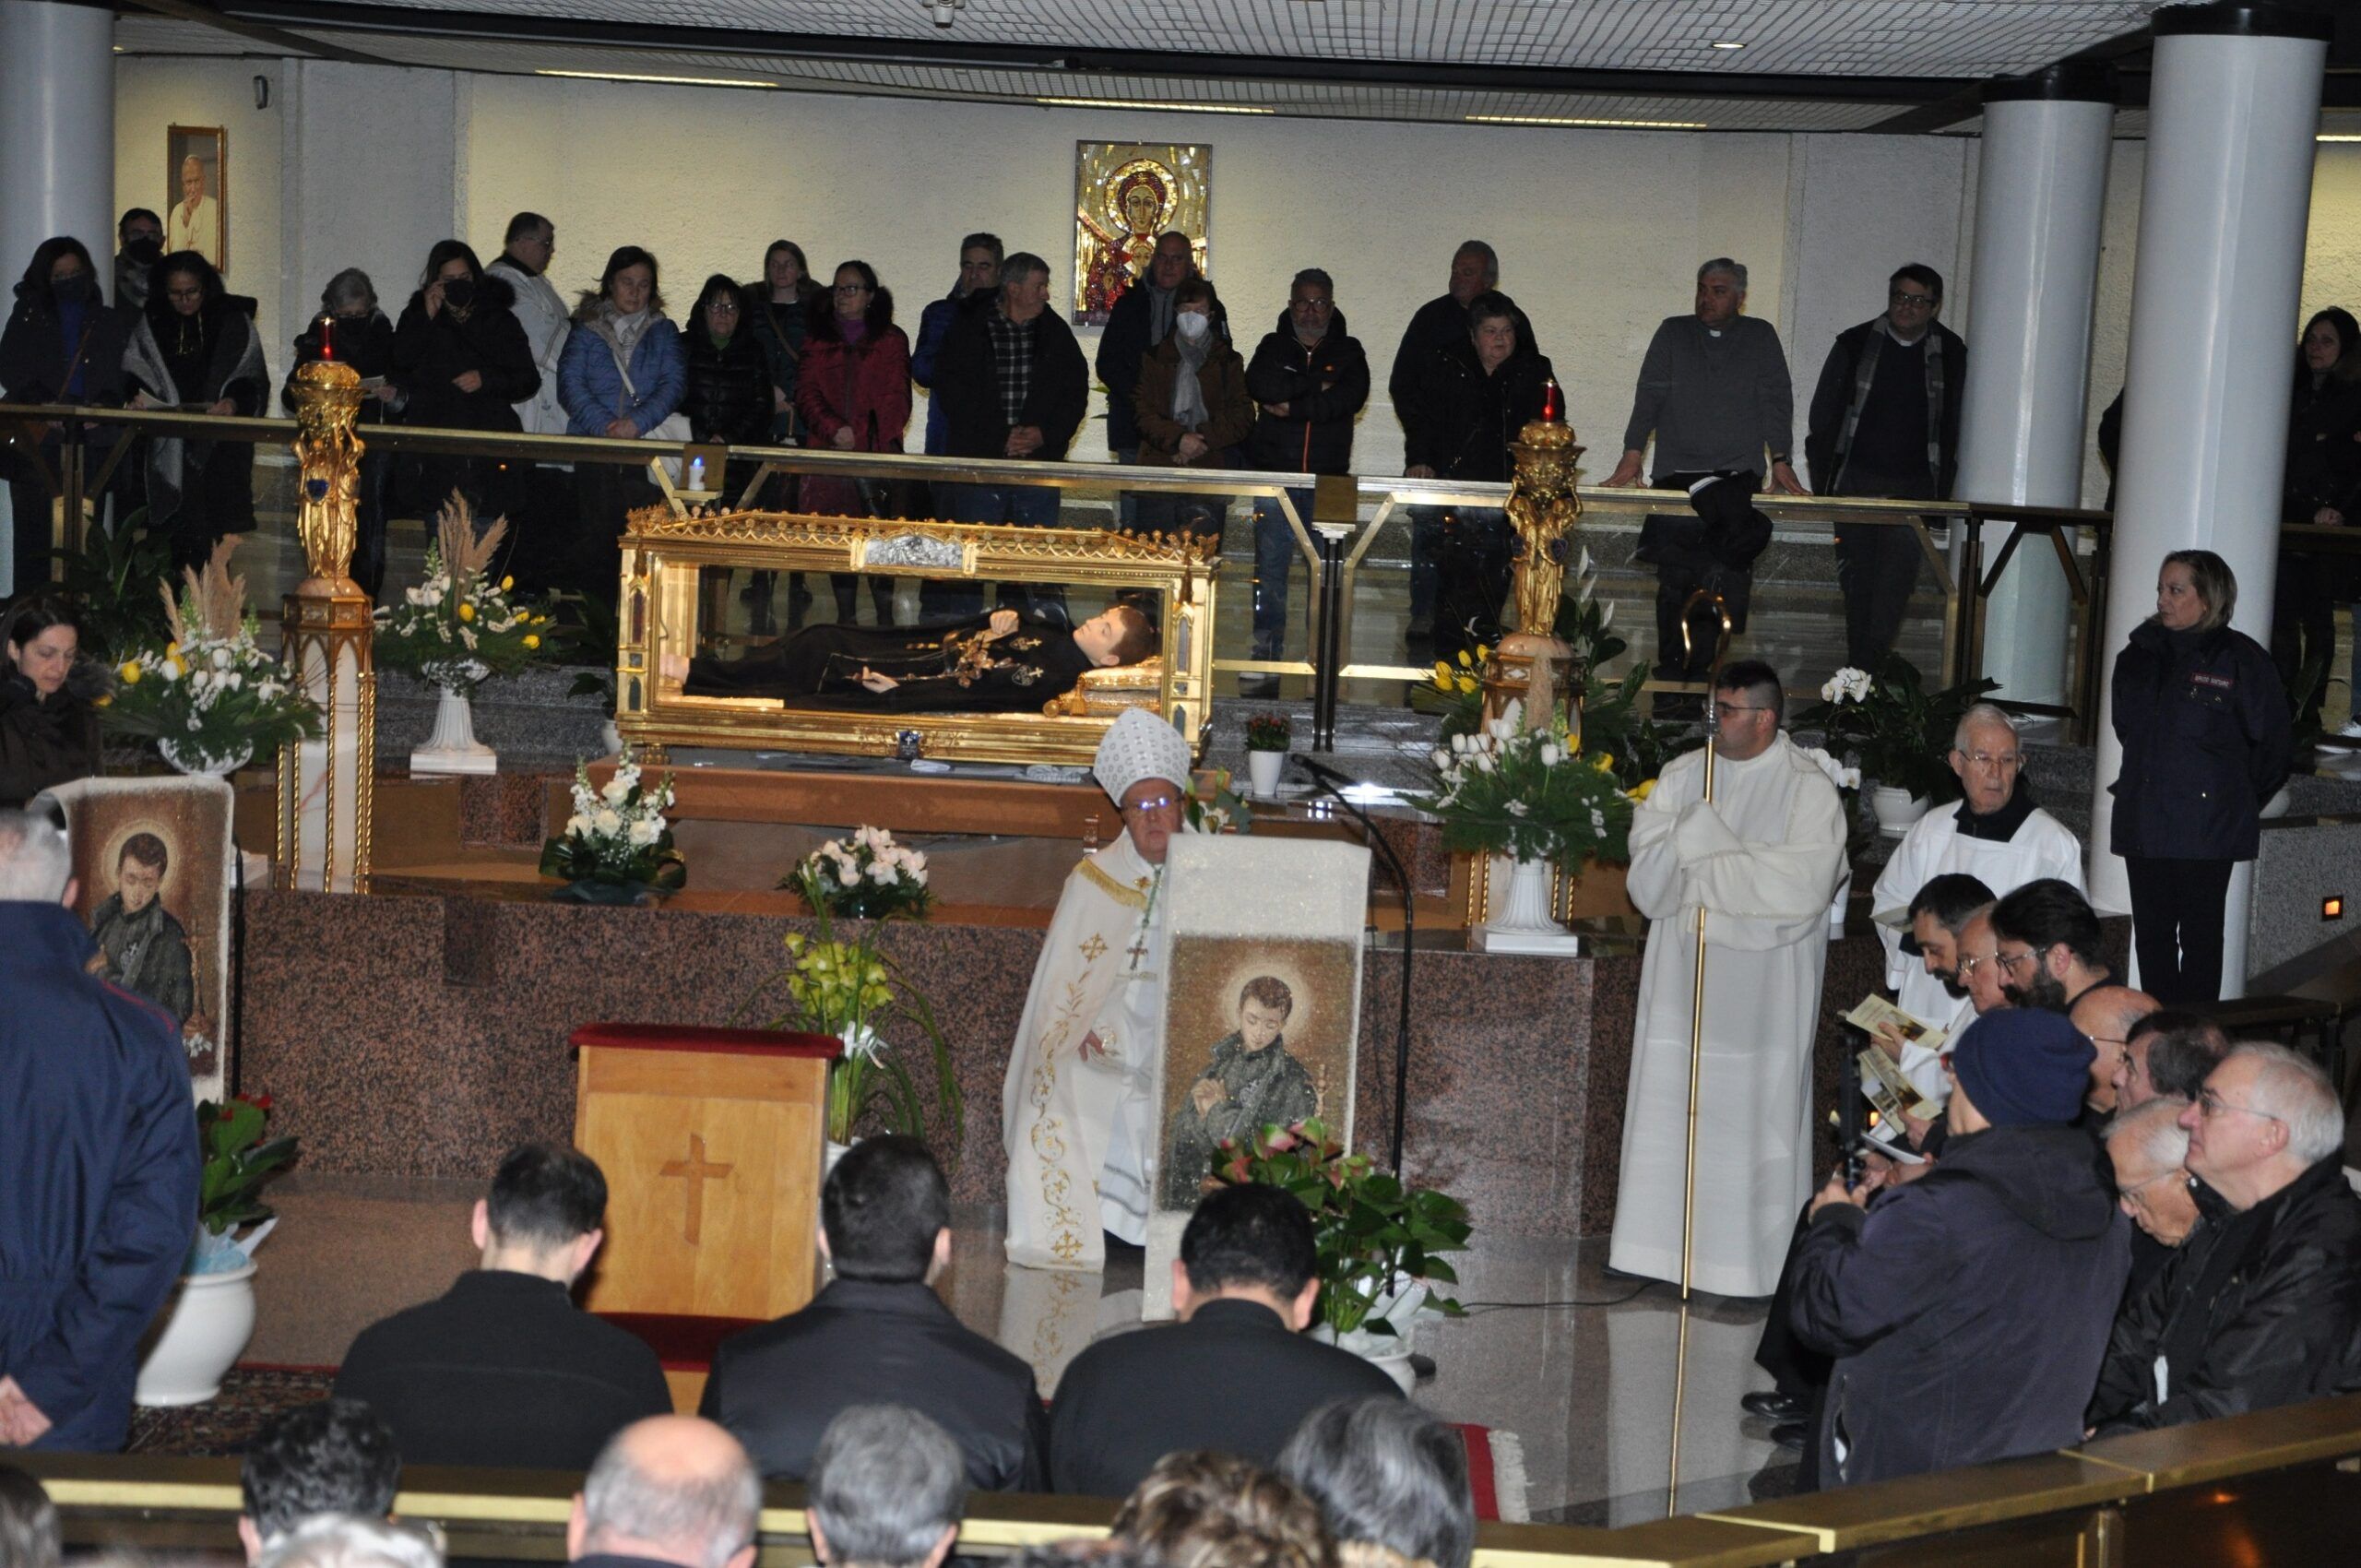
point(1636, 1290)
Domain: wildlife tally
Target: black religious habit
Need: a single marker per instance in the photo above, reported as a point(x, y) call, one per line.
point(955, 667)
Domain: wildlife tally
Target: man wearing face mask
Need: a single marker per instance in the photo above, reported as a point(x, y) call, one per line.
point(141, 237)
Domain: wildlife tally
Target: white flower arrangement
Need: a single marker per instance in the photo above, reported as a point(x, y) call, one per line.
point(1848, 685)
point(459, 628)
point(1839, 774)
point(212, 695)
point(618, 834)
point(868, 876)
point(1529, 793)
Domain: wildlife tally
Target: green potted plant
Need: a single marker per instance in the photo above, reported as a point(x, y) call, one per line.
point(1267, 739)
point(1377, 1242)
point(1897, 732)
point(204, 1328)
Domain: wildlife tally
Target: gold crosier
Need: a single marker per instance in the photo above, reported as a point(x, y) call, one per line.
point(327, 631)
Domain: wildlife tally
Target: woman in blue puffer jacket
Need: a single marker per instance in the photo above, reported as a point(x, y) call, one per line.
point(2204, 725)
point(622, 375)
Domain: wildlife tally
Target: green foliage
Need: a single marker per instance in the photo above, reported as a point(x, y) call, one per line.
point(112, 583)
point(586, 632)
point(1371, 1232)
point(1897, 732)
point(236, 1161)
point(212, 698)
point(1618, 723)
point(1268, 732)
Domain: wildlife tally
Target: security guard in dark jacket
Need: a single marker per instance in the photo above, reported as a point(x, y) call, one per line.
point(2204, 728)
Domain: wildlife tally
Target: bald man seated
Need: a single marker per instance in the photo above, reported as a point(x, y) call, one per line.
point(669, 1491)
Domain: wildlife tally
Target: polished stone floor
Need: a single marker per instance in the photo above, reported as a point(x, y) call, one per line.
point(1579, 1366)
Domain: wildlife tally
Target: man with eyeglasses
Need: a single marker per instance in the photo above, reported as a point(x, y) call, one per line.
point(1884, 421)
point(2105, 1013)
point(2147, 1148)
point(1760, 862)
point(1995, 833)
point(2048, 948)
point(1074, 1106)
point(2261, 1305)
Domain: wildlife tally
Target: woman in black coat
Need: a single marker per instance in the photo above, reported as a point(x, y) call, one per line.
point(63, 344)
point(2322, 485)
point(195, 350)
point(729, 398)
point(460, 362)
point(350, 328)
point(2203, 724)
point(49, 733)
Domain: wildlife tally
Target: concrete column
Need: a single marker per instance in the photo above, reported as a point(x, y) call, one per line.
point(56, 129)
point(2224, 204)
point(2041, 185)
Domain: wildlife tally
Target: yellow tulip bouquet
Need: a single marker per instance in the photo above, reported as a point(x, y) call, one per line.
point(459, 628)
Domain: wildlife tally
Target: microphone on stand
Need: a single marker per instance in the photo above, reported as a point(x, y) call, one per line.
point(1335, 785)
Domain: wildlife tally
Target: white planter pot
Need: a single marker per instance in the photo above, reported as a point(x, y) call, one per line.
point(1390, 1356)
point(453, 748)
point(1896, 809)
point(610, 738)
point(834, 1152)
point(1521, 922)
point(199, 764)
point(1262, 768)
point(198, 1337)
point(2277, 806)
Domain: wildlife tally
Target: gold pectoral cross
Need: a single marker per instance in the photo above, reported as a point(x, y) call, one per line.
point(694, 1170)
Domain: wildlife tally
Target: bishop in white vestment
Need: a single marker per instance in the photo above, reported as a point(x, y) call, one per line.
point(1761, 861)
point(1074, 1106)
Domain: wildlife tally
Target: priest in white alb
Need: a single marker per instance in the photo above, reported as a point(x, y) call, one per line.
point(1996, 834)
point(1074, 1109)
point(1761, 861)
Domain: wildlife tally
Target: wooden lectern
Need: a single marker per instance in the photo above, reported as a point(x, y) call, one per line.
point(711, 1141)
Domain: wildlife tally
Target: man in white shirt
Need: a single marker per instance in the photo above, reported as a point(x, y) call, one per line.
point(524, 265)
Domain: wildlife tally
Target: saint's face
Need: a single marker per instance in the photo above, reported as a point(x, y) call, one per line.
point(191, 183)
point(137, 883)
point(1988, 770)
point(1259, 1023)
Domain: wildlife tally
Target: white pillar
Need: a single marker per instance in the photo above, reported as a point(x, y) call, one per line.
point(2041, 183)
point(56, 129)
point(2232, 109)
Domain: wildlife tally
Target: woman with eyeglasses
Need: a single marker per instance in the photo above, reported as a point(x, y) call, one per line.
point(350, 328)
point(195, 350)
point(2203, 723)
point(728, 397)
point(854, 395)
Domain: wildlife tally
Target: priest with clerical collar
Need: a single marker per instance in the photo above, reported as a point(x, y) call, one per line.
point(1996, 835)
point(1074, 1111)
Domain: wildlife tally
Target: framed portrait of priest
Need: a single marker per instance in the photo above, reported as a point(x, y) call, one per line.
point(197, 193)
point(152, 869)
point(1125, 195)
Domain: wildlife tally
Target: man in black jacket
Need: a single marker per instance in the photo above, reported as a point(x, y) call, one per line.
point(1142, 318)
point(330, 1457)
point(2261, 1305)
point(1968, 1310)
point(1312, 380)
point(503, 1368)
point(1234, 1373)
point(880, 1335)
point(1014, 387)
point(1885, 422)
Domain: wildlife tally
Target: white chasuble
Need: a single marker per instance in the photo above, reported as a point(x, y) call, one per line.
point(1075, 1129)
point(1762, 862)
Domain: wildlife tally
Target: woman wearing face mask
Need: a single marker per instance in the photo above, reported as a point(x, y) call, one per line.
point(854, 396)
point(352, 329)
point(773, 308)
point(623, 375)
point(1193, 408)
point(460, 362)
point(49, 733)
point(196, 349)
point(2322, 485)
point(63, 344)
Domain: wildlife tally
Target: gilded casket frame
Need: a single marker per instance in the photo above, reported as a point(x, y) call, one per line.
point(664, 553)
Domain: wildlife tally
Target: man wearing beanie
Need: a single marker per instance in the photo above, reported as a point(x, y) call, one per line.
point(1968, 1311)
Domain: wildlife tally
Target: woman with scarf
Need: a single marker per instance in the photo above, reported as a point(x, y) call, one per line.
point(773, 308)
point(63, 344)
point(195, 350)
point(1193, 408)
point(351, 330)
point(854, 396)
point(49, 732)
point(460, 362)
point(623, 375)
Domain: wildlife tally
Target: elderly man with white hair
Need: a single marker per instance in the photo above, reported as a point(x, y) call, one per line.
point(1074, 1106)
point(1995, 834)
point(2261, 1305)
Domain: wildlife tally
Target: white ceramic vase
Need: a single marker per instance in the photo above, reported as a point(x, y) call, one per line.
point(453, 748)
point(197, 1337)
point(198, 762)
point(1896, 809)
point(1521, 920)
point(1263, 769)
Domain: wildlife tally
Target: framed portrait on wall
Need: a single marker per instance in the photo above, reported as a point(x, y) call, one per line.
point(196, 194)
point(1125, 194)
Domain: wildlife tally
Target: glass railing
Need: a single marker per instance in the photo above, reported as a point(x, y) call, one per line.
point(1394, 579)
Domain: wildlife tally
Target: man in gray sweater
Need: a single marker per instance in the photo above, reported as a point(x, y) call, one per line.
point(1714, 393)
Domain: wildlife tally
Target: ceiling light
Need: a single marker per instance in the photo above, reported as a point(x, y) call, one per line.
point(1143, 103)
point(1570, 120)
point(668, 82)
point(2326, 135)
point(1725, 43)
point(943, 11)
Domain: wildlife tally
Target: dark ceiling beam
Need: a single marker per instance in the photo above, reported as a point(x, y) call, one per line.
point(2127, 55)
point(280, 38)
point(950, 53)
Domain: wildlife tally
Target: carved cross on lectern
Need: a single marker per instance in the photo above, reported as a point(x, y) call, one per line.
point(694, 1170)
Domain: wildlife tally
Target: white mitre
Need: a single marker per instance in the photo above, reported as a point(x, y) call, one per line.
point(1140, 745)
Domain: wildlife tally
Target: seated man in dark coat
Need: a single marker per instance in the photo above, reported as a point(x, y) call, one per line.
point(2262, 1304)
point(330, 1457)
point(880, 1335)
point(1234, 1372)
point(505, 1369)
point(1000, 662)
point(1967, 1310)
point(99, 1163)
